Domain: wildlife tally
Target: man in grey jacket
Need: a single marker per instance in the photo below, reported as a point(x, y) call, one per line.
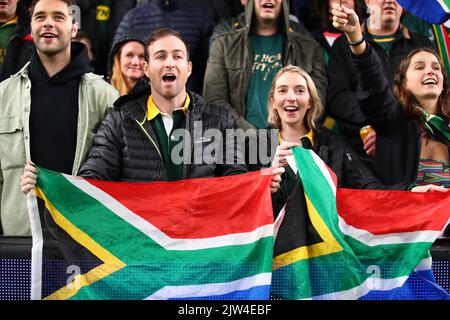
point(50, 110)
point(242, 63)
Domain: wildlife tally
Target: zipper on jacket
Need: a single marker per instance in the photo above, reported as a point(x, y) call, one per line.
point(150, 138)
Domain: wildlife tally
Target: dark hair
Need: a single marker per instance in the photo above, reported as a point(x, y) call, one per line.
point(406, 98)
point(162, 33)
point(33, 5)
point(323, 7)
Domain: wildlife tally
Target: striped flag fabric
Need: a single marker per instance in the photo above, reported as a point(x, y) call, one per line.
point(355, 244)
point(443, 44)
point(193, 239)
point(432, 11)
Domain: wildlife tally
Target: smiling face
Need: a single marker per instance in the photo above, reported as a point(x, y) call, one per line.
point(52, 28)
point(267, 11)
point(132, 61)
point(168, 67)
point(424, 78)
point(291, 98)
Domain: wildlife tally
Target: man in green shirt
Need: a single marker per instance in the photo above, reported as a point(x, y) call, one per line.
point(242, 63)
point(8, 22)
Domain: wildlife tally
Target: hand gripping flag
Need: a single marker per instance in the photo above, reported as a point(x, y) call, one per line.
point(193, 239)
point(355, 244)
point(432, 11)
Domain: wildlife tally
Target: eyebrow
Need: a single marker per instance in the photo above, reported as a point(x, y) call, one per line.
point(423, 61)
point(165, 51)
point(44, 12)
point(285, 85)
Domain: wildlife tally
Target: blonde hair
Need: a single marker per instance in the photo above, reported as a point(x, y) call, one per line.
point(311, 115)
point(117, 80)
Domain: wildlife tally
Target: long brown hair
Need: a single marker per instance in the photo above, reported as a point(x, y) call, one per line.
point(311, 115)
point(406, 98)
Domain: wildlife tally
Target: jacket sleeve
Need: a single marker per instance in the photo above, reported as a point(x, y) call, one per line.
point(319, 74)
point(342, 94)
point(215, 84)
point(376, 99)
point(1, 191)
point(358, 176)
point(232, 151)
point(222, 27)
point(104, 161)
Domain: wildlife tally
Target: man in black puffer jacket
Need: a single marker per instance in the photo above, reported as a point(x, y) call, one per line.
point(159, 134)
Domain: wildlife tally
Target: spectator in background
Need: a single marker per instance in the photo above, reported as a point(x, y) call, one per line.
point(242, 63)
point(392, 42)
point(100, 19)
point(15, 38)
point(191, 18)
point(50, 109)
point(127, 62)
point(238, 22)
point(83, 38)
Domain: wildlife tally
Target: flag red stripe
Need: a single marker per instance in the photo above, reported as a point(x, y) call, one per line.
point(192, 219)
point(381, 212)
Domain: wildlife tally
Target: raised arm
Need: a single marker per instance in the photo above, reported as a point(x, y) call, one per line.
point(376, 100)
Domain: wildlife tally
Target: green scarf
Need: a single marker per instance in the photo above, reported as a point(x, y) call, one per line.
point(435, 122)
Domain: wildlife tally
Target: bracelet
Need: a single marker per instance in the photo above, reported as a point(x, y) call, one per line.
point(356, 43)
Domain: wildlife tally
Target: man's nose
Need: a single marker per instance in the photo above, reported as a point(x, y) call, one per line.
point(170, 63)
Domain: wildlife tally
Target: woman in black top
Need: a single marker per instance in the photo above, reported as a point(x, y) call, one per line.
point(411, 121)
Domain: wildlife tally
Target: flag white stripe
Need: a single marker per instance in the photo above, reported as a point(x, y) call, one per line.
point(278, 221)
point(370, 239)
point(444, 6)
point(36, 250)
point(211, 289)
point(373, 284)
point(160, 237)
point(321, 165)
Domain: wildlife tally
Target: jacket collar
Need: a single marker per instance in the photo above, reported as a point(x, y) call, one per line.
point(136, 106)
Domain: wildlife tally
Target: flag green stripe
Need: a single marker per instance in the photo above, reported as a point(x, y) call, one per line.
point(314, 183)
point(175, 271)
point(319, 192)
point(447, 5)
point(349, 268)
point(442, 45)
point(93, 218)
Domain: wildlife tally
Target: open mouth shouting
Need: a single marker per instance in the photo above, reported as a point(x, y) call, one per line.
point(169, 78)
point(268, 5)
